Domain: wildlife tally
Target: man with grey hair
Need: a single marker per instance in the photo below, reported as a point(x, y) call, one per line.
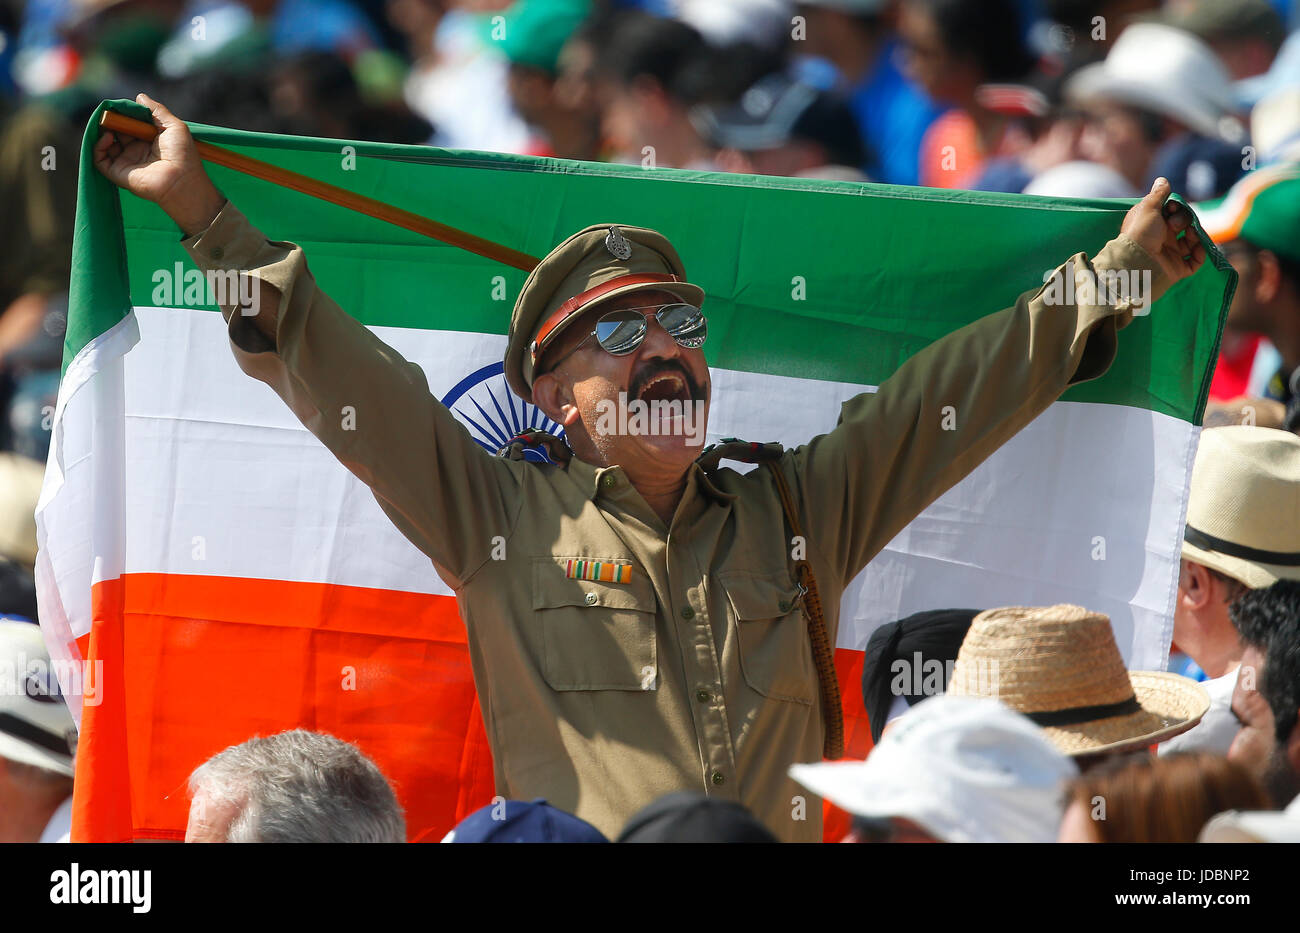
point(296, 786)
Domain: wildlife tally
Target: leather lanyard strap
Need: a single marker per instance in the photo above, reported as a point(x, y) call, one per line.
point(822, 650)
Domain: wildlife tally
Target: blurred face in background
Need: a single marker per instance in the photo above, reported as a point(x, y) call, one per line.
point(930, 63)
point(1118, 137)
point(1255, 737)
point(1244, 314)
point(575, 85)
point(627, 118)
point(790, 160)
point(1256, 746)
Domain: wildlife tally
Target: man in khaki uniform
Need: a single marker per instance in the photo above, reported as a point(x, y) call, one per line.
point(643, 633)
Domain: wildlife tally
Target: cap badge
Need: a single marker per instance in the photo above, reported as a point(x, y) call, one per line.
point(618, 244)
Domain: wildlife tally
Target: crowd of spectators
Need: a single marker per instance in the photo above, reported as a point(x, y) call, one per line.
point(1059, 98)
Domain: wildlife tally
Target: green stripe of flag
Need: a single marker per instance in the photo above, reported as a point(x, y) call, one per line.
point(812, 279)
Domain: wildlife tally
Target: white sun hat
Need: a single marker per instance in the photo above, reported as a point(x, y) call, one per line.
point(35, 725)
point(1255, 825)
point(964, 769)
point(1166, 71)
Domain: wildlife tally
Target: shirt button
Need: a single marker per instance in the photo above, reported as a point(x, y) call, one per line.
point(688, 613)
point(784, 605)
point(717, 778)
point(609, 480)
point(591, 599)
point(217, 252)
point(704, 696)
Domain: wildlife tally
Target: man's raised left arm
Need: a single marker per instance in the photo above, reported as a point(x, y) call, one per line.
point(892, 454)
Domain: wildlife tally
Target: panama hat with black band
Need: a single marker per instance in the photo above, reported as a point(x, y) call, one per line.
point(1243, 508)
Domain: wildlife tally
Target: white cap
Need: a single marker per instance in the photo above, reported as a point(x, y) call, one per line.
point(726, 22)
point(1255, 825)
point(35, 725)
point(1081, 180)
point(964, 769)
point(1166, 71)
point(1275, 126)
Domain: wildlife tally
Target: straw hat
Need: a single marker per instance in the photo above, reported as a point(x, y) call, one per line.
point(1243, 507)
point(1060, 666)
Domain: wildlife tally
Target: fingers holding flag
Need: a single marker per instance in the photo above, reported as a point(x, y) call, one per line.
point(1163, 227)
point(166, 170)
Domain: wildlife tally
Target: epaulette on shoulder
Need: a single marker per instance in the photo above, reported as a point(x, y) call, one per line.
point(534, 446)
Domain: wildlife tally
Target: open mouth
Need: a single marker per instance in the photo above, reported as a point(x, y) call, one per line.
point(665, 381)
point(666, 386)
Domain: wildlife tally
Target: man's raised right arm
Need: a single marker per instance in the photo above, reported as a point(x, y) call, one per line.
point(370, 407)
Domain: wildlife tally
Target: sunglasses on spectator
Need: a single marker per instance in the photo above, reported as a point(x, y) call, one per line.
point(621, 332)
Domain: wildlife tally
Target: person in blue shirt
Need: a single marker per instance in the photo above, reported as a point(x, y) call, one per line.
point(850, 44)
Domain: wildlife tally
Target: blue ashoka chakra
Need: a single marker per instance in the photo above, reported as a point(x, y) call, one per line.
point(483, 402)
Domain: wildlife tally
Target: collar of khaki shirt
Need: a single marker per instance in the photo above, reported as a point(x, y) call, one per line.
point(608, 480)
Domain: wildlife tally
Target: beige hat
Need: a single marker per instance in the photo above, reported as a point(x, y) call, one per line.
point(596, 264)
point(35, 725)
point(1167, 71)
point(20, 487)
point(1243, 508)
point(1060, 666)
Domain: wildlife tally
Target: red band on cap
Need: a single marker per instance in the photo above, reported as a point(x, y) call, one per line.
point(581, 300)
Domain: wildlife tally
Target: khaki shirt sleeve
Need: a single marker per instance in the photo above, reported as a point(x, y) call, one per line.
point(370, 407)
point(892, 454)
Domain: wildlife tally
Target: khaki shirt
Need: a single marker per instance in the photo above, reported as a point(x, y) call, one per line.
point(697, 672)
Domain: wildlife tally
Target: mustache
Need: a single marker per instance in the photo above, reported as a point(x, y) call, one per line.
point(656, 368)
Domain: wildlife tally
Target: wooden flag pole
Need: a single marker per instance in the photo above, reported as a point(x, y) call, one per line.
point(139, 129)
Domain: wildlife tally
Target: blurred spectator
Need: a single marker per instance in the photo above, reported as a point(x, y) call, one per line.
point(296, 786)
point(1081, 179)
point(764, 23)
point(1275, 127)
point(652, 71)
point(17, 592)
point(520, 821)
point(1143, 799)
point(1257, 225)
point(964, 53)
point(1080, 32)
point(459, 84)
point(37, 739)
point(537, 31)
point(1245, 492)
point(953, 769)
point(20, 488)
point(1284, 73)
point(857, 38)
point(782, 127)
point(687, 816)
point(316, 94)
point(1161, 104)
point(1267, 697)
point(1061, 667)
point(38, 183)
point(901, 656)
point(1245, 34)
point(1254, 826)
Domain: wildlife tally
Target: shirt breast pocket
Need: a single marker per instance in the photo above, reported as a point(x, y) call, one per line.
point(775, 655)
point(594, 635)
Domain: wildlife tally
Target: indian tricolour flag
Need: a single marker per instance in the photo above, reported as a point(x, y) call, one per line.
point(225, 576)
